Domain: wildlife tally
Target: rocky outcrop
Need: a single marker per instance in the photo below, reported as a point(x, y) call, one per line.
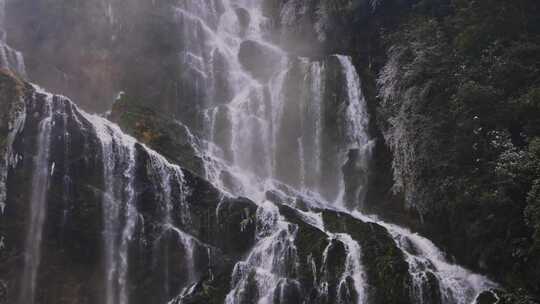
point(262, 61)
point(177, 230)
point(387, 272)
point(92, 164)
point(71, 266)
point(455, 135)
point(385, 265)
point(9, 124)
point(162, 133)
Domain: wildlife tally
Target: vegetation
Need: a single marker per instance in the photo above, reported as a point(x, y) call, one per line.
point(460, 108)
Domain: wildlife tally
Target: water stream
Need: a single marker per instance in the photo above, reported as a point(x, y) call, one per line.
point(278, 112)
point(269, 121)
point(38, 207)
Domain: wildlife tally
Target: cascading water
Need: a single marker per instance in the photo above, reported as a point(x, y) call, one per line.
point(267, 118)
point(428, 266)
point(54, 118)
point(168, 177)
point(9, 58)
point(277, 114)
point(276, 131)
point(119, 214)
point(38, 207)
point(353, 269)
point(346, 292)
point(268, 266)
point(269, 122)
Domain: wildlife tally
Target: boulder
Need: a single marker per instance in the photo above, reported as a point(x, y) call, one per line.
point(260, 60)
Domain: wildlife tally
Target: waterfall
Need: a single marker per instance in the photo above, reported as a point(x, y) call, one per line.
point(276, 111)
point(53, 118)
point(313, 123)
point(38, 204)
point(119, 214)
point(274, 107)
point(166, 177)
point(10, 58)
point(427, 264)
point(188, 243)
point(353, 269)
point(269, 264)
point(356, 136)
point(269, 123)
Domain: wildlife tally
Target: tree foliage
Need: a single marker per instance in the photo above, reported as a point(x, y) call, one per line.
point(460, 98)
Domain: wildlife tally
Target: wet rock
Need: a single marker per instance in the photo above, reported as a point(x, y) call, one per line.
point(160, 132)
point(334, 266)
point(223, 131)
point(487, 297)
point(243, 17)
point(384, 263)
point(310, 244)
point(287, 291)
point(355, 176)
point(430, 292)
point(288, 160)
point(71, 235)
point(220, 231)
point(261, 60)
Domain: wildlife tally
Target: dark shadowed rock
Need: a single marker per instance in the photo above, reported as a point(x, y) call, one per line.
point(385, 264)
point(487, 297)
point(160, 132)
point(262, 61)
point(220, 231)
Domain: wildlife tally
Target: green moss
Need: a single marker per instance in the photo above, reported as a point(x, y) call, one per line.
point(310, 243)
point(160, 132)
point(11, 102)
point(385, 265)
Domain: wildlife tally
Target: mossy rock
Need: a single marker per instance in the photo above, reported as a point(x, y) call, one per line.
point(160, 132)
point(385, 265)
point(11, 102)
point(310, 243)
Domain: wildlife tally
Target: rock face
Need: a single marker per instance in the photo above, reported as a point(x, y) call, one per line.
point(238, 98)
point(118, 223)
point(173, 58)
point(104, 190)
point(384, 262)
point(163, 133)
point(73, 235)
point(260, 60)
point(10, 59)
point(455, 154)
